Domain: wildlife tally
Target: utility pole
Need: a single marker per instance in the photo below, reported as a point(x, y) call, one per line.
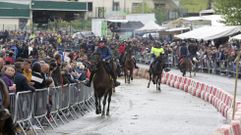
point(124, 5)
point(143, 2)
point(237, 60)
point(113, 8)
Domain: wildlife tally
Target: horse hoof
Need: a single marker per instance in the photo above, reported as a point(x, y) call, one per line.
point(97, 112)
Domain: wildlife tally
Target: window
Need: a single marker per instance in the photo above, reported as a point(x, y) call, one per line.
point(90, 6)
point(116, 6)
point(100, 12)
point(136, 7)
point(159, 6)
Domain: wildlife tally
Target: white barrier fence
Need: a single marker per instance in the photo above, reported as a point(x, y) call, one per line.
point(49, 107)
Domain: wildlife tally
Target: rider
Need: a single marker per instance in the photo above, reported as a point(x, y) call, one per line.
point(184, 53)
point(193, 48)
point(106, 56)
point(156, 51)
point(121, 51)
point(130, 49)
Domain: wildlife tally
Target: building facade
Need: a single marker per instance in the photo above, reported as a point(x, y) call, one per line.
point(19, 13)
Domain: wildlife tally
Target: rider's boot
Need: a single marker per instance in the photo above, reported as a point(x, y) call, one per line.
point(111, 72)
point(135, 63)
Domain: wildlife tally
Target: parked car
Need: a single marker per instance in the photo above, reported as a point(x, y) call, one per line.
point(83, 35)
point(154, 35)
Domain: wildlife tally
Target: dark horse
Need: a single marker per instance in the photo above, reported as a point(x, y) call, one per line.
point(129, 65)
point(103, 84)
point(6, 122)
point(155, 71)
point(185, 65)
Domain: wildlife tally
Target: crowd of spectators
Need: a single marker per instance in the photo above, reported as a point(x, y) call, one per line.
point(38, 60)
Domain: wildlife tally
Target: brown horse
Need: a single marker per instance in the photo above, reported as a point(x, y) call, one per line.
point(155, 72)
point(129, 66)
point(6, 122)
point(103, 84)
point(185, 65)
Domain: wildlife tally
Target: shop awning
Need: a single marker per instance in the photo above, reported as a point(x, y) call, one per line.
point(237, 37)
point(210, 32)
point(14, 10)
point(59, 6)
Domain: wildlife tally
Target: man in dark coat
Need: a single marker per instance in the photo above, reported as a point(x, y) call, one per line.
point(20, 80)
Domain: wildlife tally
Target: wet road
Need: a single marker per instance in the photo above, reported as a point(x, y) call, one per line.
point(137, 110)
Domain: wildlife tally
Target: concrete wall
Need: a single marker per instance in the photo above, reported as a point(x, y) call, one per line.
point(10, 24)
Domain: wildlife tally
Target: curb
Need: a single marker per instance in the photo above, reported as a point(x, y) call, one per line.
point(219, 98)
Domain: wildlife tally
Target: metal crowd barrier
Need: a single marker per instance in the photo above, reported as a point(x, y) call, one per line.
point(40, 107)
point(23, 109)
point(81, 100)
point(207, 65)
point(54, 95)
point(48, 105)
point(12, 104)
point(88, 97)
point(74, 94)
point(64, 102)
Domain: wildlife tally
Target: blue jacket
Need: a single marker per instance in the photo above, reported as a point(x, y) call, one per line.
point(105, 53)
point(184, 51)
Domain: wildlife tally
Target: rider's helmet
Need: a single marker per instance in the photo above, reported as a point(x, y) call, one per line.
point(158, 45)
point(183, 43)
point(102, 42)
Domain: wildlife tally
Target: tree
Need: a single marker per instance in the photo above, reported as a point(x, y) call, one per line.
point(161, 15)
point(143, 8)
point(230, 9)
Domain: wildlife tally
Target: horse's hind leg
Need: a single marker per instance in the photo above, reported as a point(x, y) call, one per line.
point(109, 99)
point(125, 75)
point(158, 83)
point(104, 102)
point(148, 85)
point(96, 105)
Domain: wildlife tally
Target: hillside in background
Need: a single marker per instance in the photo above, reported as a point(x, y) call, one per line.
point(194, 6)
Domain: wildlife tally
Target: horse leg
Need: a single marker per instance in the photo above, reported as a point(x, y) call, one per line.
point(96, 105)
point(131, 74)
point(128, 76)
point(148, 85)
point(99, 106)
point(109, 99)
point(157, 83)
point(125, 74)
point(184, 72)
point(190, 70)
point(104, 102)
point(154, 79)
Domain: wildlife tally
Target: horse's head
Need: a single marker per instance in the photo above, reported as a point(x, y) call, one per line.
point(95, 61)
point(161, 58)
